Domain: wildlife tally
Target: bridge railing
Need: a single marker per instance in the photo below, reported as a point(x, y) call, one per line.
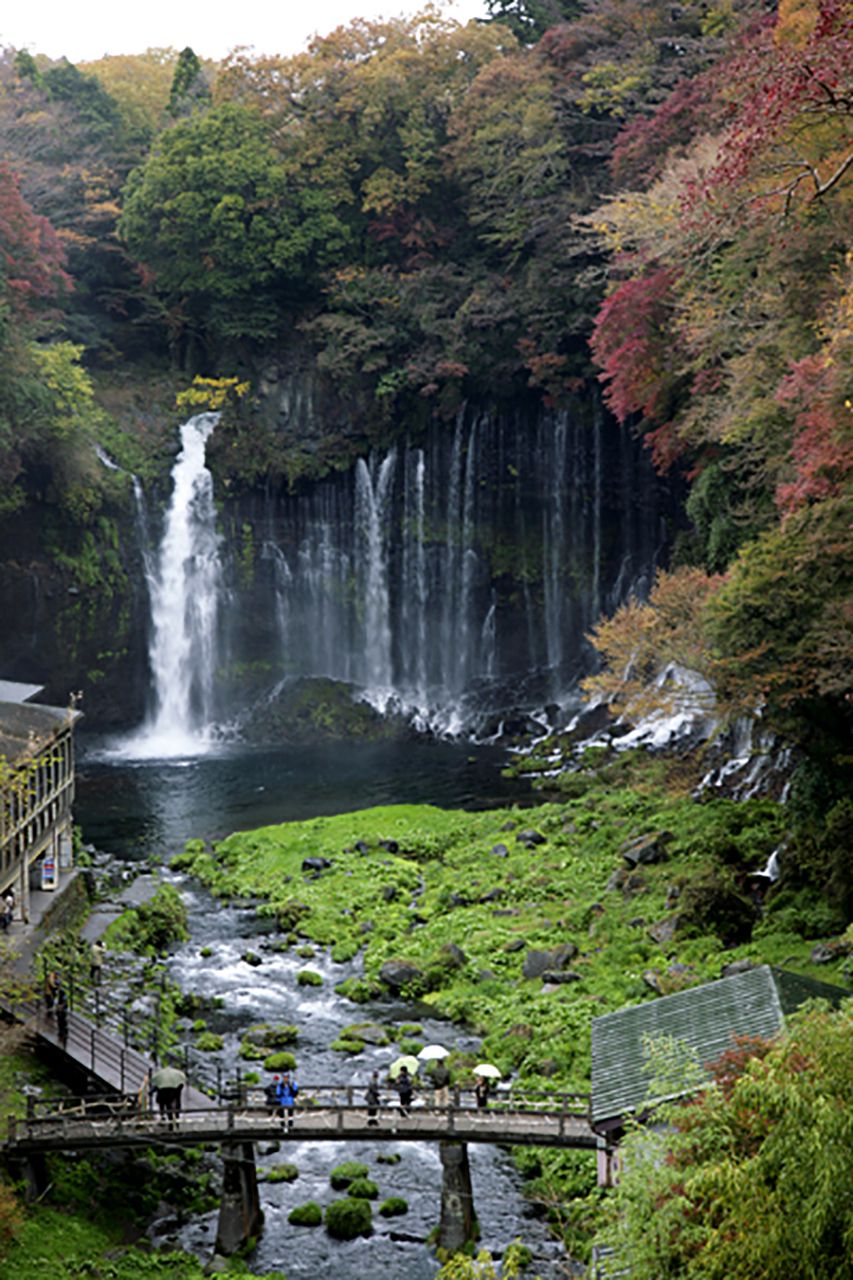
point(311, 1098)
point(106, 1119)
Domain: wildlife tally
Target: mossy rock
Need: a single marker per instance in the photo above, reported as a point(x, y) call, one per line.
point(347, 1219)
point(411, 1046)
point(309, 978)
point(363, 1189)
point(409, 1029)
point(206, 952)
point(343, 1174)
point(284, 1061)
point(344, 1045)
point(370, 1032)
point(388, 1157)
point(306, 1215)
point(209, 1042)
point(252, 1052)
point(282, 1173)
point(266, 1035)
point(393, 1207)
point(305, 952)
point(359, 990)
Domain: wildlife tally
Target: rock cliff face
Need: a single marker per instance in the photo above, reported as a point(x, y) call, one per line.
point(450, 575)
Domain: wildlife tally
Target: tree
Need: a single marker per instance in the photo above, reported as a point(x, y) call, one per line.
point(228, 239)
point(190, 89)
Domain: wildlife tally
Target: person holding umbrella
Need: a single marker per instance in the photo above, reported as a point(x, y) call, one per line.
point(484, 1072)
point(436, 1054)
point(167, 1083)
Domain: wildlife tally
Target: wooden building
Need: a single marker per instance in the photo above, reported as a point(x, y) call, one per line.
point(704, 1020)
point(36, 792)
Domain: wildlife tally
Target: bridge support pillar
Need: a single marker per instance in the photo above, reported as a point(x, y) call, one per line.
point(32, 1170)
point(458, 1224)
point(240, 1214)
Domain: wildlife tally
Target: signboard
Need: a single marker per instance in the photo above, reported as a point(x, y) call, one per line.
point(49, 875)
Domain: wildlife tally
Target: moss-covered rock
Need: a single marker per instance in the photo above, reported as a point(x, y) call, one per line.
point(393, 1207)
point(349, 1218)
point(363, 1189)
point(306, 1215)
point(209, 1042)
point(285, 1172)
point(343, 1174)
point(283, 1061)
point(309, 978)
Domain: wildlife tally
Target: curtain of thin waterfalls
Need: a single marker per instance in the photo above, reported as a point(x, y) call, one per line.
point(457, 574)
point(185, 589)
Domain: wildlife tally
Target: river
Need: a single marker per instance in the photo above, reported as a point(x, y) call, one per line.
point(139, 808)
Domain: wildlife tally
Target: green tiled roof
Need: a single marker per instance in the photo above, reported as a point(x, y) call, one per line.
point(706, 1018)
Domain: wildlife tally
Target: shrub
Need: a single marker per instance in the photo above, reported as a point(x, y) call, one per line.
point(346, 1219)
point(306, 1215)
point(393, 1207)
point(343, 1174)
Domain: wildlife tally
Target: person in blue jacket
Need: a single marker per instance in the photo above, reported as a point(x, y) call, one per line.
point(287, 1091)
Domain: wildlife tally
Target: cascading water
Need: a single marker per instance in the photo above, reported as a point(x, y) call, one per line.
point(453, 578)
point(185, 587)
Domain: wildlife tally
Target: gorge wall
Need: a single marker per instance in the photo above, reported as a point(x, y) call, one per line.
point(451, 575)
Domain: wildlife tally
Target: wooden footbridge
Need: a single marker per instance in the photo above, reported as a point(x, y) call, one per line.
point(117, 1113)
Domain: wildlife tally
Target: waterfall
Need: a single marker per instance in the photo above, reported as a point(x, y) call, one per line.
point(372, 527)
point(184, 586)
point(452, 576)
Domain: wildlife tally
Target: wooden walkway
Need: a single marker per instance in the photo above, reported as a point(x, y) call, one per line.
point(87, 1123)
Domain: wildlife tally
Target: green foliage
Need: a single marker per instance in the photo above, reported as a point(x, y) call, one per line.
point(150, 927)
point(282, 1061)
point(347, 1219)
point(215, 215)
point(482, 1267)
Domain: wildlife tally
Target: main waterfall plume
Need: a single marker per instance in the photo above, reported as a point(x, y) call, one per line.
point(184, 579)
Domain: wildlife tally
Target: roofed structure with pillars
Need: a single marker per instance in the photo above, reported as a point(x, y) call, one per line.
point(36, 791)
point(707, 1020)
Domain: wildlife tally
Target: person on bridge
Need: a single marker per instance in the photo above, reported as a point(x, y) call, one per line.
point(96, 962)
point(373, 1098)
point(441, 1083)
point(481, 1092)
point(405, 1088)
point(62, 1016)
point(51, 989)
point(8, 908)
point(271, 1095)
point(287, 1091)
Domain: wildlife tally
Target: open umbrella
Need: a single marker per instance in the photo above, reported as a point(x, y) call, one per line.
point(431, 1052)
point(168, 1078)
point(411, 1064)
point(488, 1071)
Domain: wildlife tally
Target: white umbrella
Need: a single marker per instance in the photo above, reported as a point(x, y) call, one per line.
point(430, 1052)
point(488, 1071)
